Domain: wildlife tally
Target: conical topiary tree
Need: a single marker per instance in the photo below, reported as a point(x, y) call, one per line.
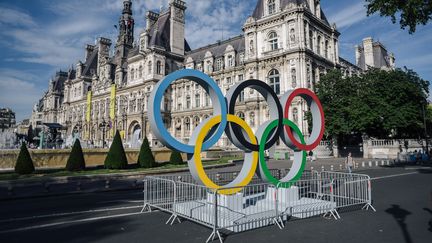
point(116, 158)
point(24, 164)
point(145, 157)
point(76, 160)
point(176, 158)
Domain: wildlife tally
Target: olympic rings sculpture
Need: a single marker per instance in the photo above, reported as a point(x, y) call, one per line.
point(207, 133)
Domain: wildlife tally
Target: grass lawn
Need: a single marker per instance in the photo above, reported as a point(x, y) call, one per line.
point(4, 176)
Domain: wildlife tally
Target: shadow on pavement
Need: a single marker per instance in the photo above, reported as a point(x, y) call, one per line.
point(430, 221)
point(400, 214)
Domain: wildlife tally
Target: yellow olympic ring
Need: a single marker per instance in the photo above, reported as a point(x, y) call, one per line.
point(247, 171)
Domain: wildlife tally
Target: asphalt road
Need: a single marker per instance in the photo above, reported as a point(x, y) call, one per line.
point(402, 197)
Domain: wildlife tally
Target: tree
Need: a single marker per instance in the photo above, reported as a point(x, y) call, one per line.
point(76, 160)
point(145, 158)
point(379, 103)
point(116, 158)
point(176, 158)
point(411, 12)
point(24, 164)
point(30, 134)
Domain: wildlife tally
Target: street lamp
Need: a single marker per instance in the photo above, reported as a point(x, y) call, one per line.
point(102, 126)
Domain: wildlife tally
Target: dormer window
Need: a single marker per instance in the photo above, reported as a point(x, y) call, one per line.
point(273, 41)
point(230, 61)
point(271, 5)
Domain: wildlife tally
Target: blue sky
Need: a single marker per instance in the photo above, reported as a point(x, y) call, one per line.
point(39, 37)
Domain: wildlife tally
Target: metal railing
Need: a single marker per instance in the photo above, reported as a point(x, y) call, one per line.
point(255, 205)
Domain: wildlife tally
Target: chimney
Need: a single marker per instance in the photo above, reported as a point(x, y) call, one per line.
point(177, 28)
point(89, 51)
point(368, 52)
point(358, 51)
point(151, 18)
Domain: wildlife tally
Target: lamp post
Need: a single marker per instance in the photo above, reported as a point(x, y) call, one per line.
point(102, 126)
point(425, 128)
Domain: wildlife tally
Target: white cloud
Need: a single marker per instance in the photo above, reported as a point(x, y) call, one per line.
point(18, 91)
point(348, 16)
point(11, 17)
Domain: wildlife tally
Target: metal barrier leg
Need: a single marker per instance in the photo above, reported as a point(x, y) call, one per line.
point(146, 208)
point(172, 219)
point(367, 206)
point(213, 235)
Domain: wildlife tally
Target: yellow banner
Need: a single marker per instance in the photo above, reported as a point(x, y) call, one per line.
point(89, 106)
point(112, 102)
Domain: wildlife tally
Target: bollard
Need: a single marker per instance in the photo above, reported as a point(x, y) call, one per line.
point(382, 162)
point(363, 164)
point(376, 163)
point(179, 178)
point(370, 163)
point(107, 184)
point(388, 162)
point(331, 167)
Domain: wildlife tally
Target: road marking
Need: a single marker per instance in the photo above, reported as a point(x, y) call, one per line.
point(68, 213)
point(390, 176)
point(71, 222)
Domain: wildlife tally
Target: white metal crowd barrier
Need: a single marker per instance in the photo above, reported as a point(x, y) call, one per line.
point(256, 205)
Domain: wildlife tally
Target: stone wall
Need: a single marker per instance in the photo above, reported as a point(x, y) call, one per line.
point(47, 158)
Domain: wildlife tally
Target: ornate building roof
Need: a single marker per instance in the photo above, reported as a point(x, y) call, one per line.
point(217, 49)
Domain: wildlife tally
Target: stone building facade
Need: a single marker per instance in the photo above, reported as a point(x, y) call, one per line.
point(286, 43)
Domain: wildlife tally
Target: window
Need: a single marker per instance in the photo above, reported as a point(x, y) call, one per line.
point(294, 77)
point(310, 39)
point(209, 67)
point(308, 76)
point(241, 58)
point(228, 80)
point(274, 80)
point(158, 67)
point(271, 4)
point(230, 61)
point(218, 82)
point(295, 115)
point(241, 115)
point(292, 36)
point(252, 119)
point(241, 96)
point(326, 49)
point(188, 102)
point(207, 100)
point(240, 77)
point(140, 70)
point(187, 124)
point(132, 74)
point(150, 67)
point(219, 64)
point(197, 100)
point(273, 41)
point(319, 45)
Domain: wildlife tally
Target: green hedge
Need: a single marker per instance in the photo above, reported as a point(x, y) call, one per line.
point(24, 164)
point(116, 158)
point(176, 158)
point(145, 157)
point(76, 160)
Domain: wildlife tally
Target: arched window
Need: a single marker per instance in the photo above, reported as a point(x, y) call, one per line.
point(271, 5)
point(230, 61)
point(158, 67)
point(187, 123)
point(140, 70)
point(252, 119)
point(196, 121)
point(295, 115)
point(292, 36)
point(197, 100)
point(150, 67)
point(273, 41)
point(207, 100)
point(294, 77)
point(241, 115)
point(209, 66)
point(188, 102)
point(309, 76)
point(326, 49)
point(241, 96)
point(132, 74)
point(274, 80)
point(319, 45)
